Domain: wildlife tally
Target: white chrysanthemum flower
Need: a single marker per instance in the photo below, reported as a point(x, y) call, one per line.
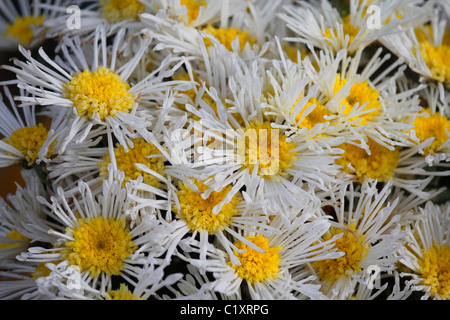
point(370, 238)
point(66, 282)
point(93, 234)
point(433, 124)
point(21, 22)
point(362, 99)
point(235, 143)
point(426, 49)
point(364, 22)
point(268, 273)
point(114, 15)
point(25, 141)
point(425, 257)
point(197, 217)
point(190, 27)
point(96, 91)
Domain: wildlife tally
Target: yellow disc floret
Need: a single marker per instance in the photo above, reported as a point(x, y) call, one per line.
point(193, 8)
point(198, 212)
point(314, 117)
point(260, 142)
point(435, 270)
point(100, 245)
point(142, 152)
point(362, 93)
point(347, 28)
point(123, 293)
point(100, 92)
point(257, 266)
point(351, 244)
point(118, 10)
point(23, 28)
point(379, 165)
point(227, 35)
point(435, 125)
point(29, 140)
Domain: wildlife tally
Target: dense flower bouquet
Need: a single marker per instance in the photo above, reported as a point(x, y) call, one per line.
point(212, 149)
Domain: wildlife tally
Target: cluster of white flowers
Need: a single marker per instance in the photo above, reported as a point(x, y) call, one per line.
point(226, 149)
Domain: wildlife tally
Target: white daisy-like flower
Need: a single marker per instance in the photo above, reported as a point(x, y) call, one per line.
point(370, 238)
point(93, 234)
point(191, 27)
point(268, 273)
point(198, 219)
point(97, 91)
point(432, 123)
point(363, 23)
point(21, 22)
point(67, 283)
point(425, 257)
point(237, 144)
point(81, 18)
point(26, 141)
point(425, 49)
point(363, 102)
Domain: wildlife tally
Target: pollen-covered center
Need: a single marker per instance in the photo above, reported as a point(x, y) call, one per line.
point(436, 57)
point(198, 212)
point(347, 28)
point(100, 92)
point(435, 125)
point(142, 152)
point(316, 116)
point(118, 10)
point(227, 35)
point(268, 146)
point(435, 270)
point(29, 140)
point(379, 165)
point(361, 93)
point(100, 245)
point(193, 8)
point(351, 244)
point(23, 28)
point(123, 293)
point(257, 266)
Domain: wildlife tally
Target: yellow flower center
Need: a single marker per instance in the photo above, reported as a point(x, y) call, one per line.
point(227, 35)
point(123, 293)
point(435, 270)
point(379, 165)
point(193, 7)
point(23, 28)
point(198, 212)
point(362, 93)
point(437, 58)
point(268, 146)
point(118, 10)
point(28, 141)
point(142, 152)
point(314, 117)
point(351, 244)
point(100, 245)
point(432, 126)
point(257, 266)
point(101, 91)
point(13, 235)
point(347, 27)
